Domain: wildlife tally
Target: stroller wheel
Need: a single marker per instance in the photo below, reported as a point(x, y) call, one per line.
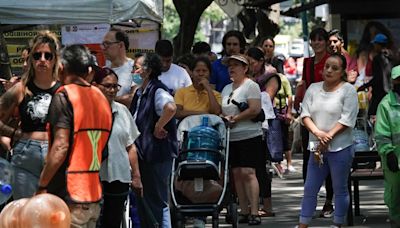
point(215, 221)
point(180, 223)
point(232, 215)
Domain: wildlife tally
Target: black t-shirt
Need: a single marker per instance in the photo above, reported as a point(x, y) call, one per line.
point(34, 108)
point(60, 115)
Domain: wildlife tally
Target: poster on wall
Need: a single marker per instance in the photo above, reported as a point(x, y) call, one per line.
point(90, 35)
point(142, 37)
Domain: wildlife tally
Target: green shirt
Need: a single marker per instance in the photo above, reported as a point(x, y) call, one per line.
point(284, 92)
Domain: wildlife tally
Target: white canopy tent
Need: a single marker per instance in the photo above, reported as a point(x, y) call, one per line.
point(78, 11)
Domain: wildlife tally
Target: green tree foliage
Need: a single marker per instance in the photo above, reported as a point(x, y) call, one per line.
point(213, 14)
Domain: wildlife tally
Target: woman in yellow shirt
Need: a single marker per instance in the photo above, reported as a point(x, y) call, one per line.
point(198, 98)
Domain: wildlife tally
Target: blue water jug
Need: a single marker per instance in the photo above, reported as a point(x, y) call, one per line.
point(6, 175)
point(204, 137)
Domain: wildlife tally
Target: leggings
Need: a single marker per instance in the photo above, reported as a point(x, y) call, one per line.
point(115, 195)
point(263, 176)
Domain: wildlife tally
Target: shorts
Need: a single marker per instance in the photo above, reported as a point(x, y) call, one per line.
point(246, 153)
point(28, 161)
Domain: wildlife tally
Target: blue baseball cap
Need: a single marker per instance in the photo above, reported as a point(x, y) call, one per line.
point(380, 39)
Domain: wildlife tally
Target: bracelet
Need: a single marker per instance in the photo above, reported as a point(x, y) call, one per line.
point(40, 188)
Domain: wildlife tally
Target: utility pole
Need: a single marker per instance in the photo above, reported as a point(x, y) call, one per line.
point(305, 31)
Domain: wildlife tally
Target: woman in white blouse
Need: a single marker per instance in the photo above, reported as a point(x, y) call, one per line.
point(121, 168)
point(329, 112)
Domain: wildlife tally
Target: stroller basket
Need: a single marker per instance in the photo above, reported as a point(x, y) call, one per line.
point(199, 163)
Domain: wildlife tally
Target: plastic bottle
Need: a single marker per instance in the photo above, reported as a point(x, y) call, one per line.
point(6, 175)
point(45, 211)
point(10, 216)
point(204, 137)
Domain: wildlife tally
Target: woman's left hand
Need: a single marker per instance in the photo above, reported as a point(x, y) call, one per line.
point(160, 132)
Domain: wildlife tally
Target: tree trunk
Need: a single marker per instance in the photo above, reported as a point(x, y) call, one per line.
point(189, 12)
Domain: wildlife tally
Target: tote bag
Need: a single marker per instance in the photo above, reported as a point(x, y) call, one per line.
point(274, 140)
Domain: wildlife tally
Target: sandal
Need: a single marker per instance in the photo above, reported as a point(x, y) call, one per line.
point(265, 213)
point(243, 218)
point(254, 220)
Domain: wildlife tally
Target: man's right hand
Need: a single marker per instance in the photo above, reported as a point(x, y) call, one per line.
point(392, 162)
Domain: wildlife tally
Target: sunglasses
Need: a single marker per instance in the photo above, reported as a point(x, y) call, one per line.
point(38, 55)
point(111, 86)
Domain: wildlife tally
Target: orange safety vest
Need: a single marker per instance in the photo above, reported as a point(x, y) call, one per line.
point(92, 127)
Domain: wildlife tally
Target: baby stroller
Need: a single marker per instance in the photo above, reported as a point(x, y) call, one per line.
point(202, 162)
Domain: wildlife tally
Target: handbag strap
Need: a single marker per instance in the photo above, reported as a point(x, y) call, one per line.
point(312, 76)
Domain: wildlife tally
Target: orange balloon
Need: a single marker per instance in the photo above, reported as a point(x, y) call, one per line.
point(45, 211)
point(10, 216)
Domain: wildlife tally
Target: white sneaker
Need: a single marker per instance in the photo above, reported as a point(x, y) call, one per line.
point(198, 223)
point(291, 169)
point(278, 170)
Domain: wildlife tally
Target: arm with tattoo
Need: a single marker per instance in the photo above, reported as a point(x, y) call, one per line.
point(8, 102)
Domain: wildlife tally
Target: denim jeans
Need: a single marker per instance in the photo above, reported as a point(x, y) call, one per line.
point(155, 180)
point(28, 161)
point(338, 164)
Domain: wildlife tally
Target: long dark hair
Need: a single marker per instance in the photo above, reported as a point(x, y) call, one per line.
point(365, 41)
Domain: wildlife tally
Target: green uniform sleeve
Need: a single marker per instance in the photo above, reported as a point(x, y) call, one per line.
point(383, 131)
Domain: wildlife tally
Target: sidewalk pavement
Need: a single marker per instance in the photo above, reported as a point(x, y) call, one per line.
point(287, 194)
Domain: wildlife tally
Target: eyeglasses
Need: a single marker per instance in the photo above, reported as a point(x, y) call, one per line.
point(111, 86)
point(269, 46)
point(229, 98)
point(38, 55)
point(107, 44)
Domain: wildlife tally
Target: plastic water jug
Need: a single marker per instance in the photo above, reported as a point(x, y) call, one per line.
point(204, 137)
point(6, 175)
point(360, 136)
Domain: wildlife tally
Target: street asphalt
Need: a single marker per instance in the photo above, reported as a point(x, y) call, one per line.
point(287, 194)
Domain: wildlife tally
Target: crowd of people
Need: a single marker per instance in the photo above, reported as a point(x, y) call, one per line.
point(92, 134)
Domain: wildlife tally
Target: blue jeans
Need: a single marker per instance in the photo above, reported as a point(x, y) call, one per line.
point(28, 161)
point(338, 164)
point(155, 180)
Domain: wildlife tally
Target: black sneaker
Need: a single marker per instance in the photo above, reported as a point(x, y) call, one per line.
point(327, 211)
